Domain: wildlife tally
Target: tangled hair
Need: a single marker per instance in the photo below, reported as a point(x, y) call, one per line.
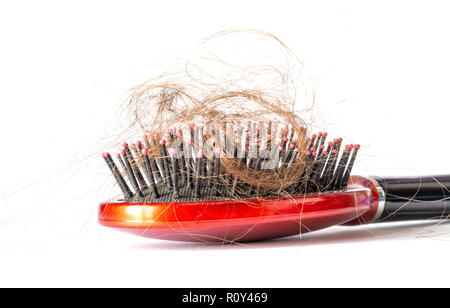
point(236, 76)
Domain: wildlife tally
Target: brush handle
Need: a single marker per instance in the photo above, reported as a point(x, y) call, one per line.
point(411, 198)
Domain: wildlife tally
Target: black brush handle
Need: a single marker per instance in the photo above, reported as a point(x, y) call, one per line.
point(411, 198)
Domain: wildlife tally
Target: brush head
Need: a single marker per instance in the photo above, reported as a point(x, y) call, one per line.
point(222, 177)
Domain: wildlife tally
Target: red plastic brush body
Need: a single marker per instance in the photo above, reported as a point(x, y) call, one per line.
point(243, 220)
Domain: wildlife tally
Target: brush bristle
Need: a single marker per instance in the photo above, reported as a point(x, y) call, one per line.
point(190, 169)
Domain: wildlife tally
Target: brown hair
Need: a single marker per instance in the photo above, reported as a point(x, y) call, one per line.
point(266, 92)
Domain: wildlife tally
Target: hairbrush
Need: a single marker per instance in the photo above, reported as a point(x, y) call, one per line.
point(181, 186)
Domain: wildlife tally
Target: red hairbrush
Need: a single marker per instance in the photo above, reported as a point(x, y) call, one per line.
point(188, 198)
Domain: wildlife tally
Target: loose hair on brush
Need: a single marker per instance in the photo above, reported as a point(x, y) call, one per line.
point(228, 127)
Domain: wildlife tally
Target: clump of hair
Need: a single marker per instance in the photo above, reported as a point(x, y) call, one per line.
point(231, 122)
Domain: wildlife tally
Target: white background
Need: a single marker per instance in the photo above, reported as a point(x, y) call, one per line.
point(383, 80)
